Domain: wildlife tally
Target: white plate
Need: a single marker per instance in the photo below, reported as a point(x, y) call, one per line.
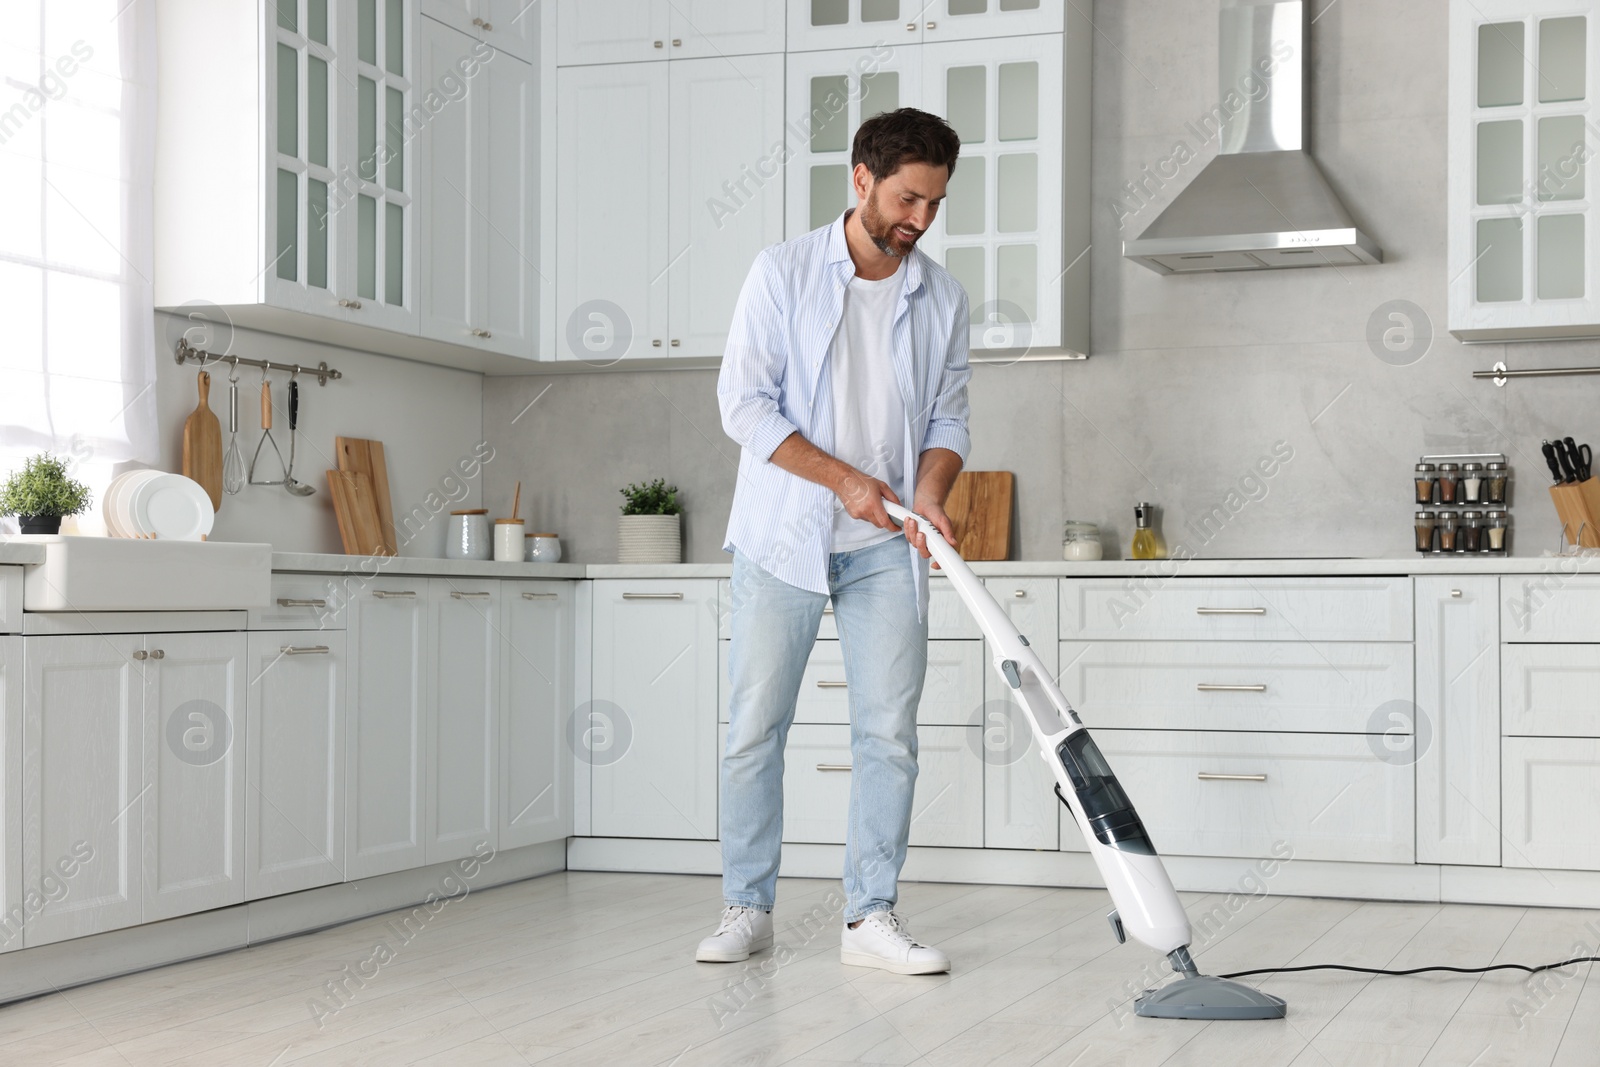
point(171, 507)
point(119, 521)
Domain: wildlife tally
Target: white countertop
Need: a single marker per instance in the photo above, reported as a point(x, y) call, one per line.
point(17, 550)
point(371, 566)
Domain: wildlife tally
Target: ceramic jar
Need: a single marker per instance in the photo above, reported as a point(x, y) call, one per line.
point(468, 535)
point(543, 548)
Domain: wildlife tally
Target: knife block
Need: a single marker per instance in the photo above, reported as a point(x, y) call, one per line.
point(1578, 507)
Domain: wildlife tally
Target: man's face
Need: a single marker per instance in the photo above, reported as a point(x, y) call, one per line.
point(896, 211)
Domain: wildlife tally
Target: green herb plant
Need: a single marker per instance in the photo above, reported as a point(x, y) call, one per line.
point(43, 487)
point(654, 498)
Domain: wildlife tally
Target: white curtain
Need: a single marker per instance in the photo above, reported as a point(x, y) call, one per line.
point(77, 126)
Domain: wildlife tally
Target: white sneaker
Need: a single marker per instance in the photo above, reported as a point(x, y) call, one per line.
point(741, 932)
point(882, 941)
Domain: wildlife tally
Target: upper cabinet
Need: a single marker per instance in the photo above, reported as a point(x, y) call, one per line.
point(1523, 239)
point(824, 24)
point(639, 31)
point(509, 26)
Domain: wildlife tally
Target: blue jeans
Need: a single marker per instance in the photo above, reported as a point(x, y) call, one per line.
point(885, 646)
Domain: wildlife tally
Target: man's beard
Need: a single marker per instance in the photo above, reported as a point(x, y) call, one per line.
point(883, 232)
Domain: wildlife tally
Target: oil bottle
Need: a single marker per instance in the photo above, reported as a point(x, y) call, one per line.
point(1145, 545)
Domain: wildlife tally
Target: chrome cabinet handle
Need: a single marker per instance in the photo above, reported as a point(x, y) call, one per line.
point(1230, 611)
point(1455, 593)
point(828, 610)
point(481, 333)
point(456, 594)
point(833, 766)
point(479, 23)
point(541, 596)
point(658, 44)
point(1206, 776)
point(1208, 687)
point(823, 684)
point(353, 305)
point(304, 650)
point(292, 602)
point(674, 342)
point(656, 343)
point(140, 653)
point(393, 594)
point(157, 653)
point(489, 26)
point(933, 25)
point(911, 26)
point(677, 42)
point(1020, 593)
point(652, 596)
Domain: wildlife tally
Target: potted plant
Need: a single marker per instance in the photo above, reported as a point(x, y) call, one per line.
point(648, 530)
point(41, 493)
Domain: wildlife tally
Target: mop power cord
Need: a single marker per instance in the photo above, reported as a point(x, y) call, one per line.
point(1145, 904)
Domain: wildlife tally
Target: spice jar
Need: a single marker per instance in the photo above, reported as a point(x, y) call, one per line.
point(1471, 483)
point(1426, 475)
point(1494, 483)
point(1495, 532)
point(1471, 536)
point(1080, 541)
point(1425, 524)
point(1449, 483)
point(1447, 531)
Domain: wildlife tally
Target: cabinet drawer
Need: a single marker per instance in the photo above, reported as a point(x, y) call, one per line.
point(1236, 685)
point(952, 690)
point(1550, 690)
point(1327, 795)
point(1550, 804)
point(1555, 606)
point(948, 618)
point(302, 602)
point(948, 805)
point(1239, 609)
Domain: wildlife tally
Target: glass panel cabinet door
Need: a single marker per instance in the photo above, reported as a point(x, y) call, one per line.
point(965, 20)
point(378, 286)
point(304, 122)
point(816, 25)
point(1000, 229)
point(829, 95)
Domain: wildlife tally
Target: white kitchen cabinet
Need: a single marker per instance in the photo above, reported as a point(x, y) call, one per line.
point(510, 26)
point(650, 732)
point(1455, 720)
point(632, 31)
point(818, 24)
point(295, 761)
point(1237, 609)
point(463, 721)
point(714, 127)
point(83, 784)
point(11, 843)
point(193, 806)
point(1019, 801)
point(1550, 690)
point(536, 619)
point(302, 189)
point(1550, 804)
point(1523, 240)
point(389, 681)
point(478, 226)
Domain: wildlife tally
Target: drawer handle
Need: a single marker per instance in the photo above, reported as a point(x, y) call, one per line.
point(828, 610)
point(652, 596)
point(456, 594)
point(1020, 593)
point(304, 650)
point(293, 602)
point(1206, 776)
point(831, 685)
point(1208, 687)
point(395, 594)
point(833, 766)
point(1230, 611)
point(541, 596)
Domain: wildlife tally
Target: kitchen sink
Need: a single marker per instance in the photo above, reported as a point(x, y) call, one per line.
point(131, 574)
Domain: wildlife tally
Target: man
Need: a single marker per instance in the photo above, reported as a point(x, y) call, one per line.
point(845, 384)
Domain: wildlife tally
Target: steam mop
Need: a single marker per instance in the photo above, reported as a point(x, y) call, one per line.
point(1144, 902)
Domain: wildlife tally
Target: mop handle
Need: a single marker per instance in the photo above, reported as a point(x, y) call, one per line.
point(942, 551)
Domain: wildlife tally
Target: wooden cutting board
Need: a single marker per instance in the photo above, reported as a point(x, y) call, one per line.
point(355, 506)
point(366, 457)
point(202, 445)
point(980, 512)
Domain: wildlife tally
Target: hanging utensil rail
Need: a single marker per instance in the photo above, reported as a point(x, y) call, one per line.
point(1500, 374)
point(187, 353)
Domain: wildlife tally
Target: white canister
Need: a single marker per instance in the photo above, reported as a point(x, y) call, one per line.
point(1080, 541)
point(468, 536)
point(543, 548)
point(508, 546)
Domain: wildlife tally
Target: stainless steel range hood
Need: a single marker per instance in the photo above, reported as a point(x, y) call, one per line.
point(1262, 203)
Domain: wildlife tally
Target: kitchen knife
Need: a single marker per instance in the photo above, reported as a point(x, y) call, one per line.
point(1550, 458)
point(1569, 473)
point(1581, 457)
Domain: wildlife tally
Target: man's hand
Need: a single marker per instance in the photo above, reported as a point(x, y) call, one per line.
point(863, 497)
point(934, 514)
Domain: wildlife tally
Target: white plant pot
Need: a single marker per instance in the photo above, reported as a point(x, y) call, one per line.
point(649, 539)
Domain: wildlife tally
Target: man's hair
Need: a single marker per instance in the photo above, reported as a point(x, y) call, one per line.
point(888, 141)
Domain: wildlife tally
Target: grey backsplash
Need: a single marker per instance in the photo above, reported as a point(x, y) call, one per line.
point(1193, 381)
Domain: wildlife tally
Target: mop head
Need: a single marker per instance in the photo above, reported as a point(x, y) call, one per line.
point(1204, 997)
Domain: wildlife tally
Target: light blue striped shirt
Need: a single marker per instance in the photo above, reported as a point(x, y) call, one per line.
point(776, 380)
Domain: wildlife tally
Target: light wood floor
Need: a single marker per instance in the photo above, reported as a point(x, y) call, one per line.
point(588, 968)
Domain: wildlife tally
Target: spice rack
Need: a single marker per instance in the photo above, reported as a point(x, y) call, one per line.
point(1463, 504)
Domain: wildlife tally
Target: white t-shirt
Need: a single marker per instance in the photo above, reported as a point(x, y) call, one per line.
point(869, 415)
